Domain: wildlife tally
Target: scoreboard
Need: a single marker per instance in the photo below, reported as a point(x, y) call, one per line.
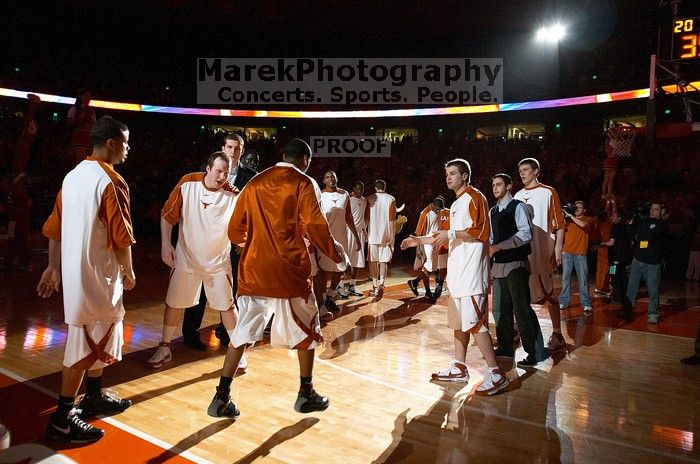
point(686, 38)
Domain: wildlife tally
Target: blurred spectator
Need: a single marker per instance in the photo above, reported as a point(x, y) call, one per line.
point(80, 120)
point(693, 271)
point(619, 257)
point(30, 128)
point(20, 205)
point(610, 164)
point(604, 228)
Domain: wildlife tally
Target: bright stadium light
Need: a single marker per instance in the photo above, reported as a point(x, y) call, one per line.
point(557, 32)
point(551, 34)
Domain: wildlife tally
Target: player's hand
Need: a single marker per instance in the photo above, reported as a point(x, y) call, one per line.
point(338, 248)
point(439, 238)
point(167, 254)
point(50, 281)
point(345, 263)
point(128, 279)
point(358, 246)
point(493, 249)
point(410, 242)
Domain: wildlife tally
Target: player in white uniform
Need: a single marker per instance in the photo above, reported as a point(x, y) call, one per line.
point(428, 258)
point(335, 206)
point(547, 242)
point(467, 278)
point(203, 204)
point(380, 235)
point(90, 237)
point(358, 206)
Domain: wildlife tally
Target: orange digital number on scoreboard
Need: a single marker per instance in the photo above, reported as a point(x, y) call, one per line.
point(689, 46)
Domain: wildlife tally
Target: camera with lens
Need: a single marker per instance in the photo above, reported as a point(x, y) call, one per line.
point(569, 208)
point(640, 211)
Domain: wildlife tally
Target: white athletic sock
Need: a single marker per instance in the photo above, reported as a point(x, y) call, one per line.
point(381, 281)
point(168, 333)
point(374, 282)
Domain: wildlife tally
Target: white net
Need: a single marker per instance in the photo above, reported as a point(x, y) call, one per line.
point(620, 140)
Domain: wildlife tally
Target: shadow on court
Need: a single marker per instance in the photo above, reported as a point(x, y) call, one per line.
point(462, 427)
point(190, 441)
point(369, 326)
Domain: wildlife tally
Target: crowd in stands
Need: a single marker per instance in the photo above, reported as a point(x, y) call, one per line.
point(164, 147)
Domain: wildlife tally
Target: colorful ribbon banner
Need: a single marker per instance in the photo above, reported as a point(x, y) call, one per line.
point(399, 113)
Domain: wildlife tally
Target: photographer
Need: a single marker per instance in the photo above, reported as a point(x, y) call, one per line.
point(649, 234)
point(574, 255)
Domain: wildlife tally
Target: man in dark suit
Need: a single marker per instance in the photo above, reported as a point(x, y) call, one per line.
point(239, 175)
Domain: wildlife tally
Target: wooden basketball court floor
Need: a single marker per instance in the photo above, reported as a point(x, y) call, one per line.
point(618, 394)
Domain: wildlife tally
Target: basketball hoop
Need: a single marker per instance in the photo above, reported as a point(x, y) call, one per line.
point(620, 140)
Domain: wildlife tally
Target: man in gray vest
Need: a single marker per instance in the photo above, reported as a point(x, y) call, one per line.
point(511, 233)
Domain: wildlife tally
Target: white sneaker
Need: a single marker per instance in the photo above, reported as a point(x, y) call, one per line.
point(341, 291)
point(161, 357)
point(242, 364)
point(494, 381)
point(353, 291)
point(457, 372)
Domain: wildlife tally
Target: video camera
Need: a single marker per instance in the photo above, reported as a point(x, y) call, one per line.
point(640, 211)
point(569, 208)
